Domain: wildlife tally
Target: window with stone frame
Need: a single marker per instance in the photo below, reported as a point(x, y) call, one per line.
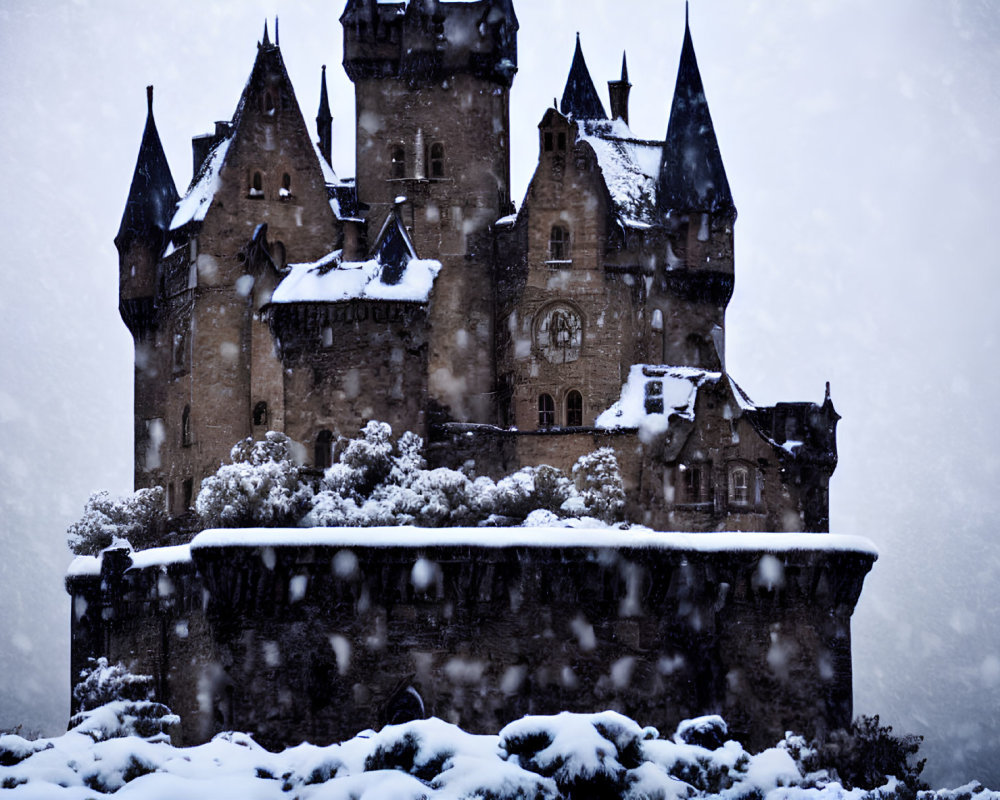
point(546, 411)
point(257, 186)
point(693, 483)
point(740, 485)
point(179, 352)
point(397, 162)
point(437, 160)
point(574, 409)
point(559, 243)
point(286, 187)
point(323, 452)
point(260, 414)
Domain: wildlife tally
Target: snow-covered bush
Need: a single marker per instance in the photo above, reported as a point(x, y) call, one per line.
point(114, 703)
point(599, 482)
point(137, 519)
point(262, 487)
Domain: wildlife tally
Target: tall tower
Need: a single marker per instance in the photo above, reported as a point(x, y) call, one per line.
point(694, 198)
point(432, 82)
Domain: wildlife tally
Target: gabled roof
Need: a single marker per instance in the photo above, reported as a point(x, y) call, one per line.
point(394, 249)
point(580, 99)
point(692, 177)
point(153, 194)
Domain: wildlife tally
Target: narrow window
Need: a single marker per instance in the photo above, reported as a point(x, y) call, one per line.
point(286, 186)
point(268, 104)
point(188, 492)
point(739, 485)
point(260, 413)
point(398, 162)
point(547, 139)
point(186, 427)
point(180, 347)
point(257, 185)
point(558, 244)
point(562, 141)
point(546, 411)
point(574, 409)
point(323, 457)
point(654, 397)
point(437, 160)
point(692, 483)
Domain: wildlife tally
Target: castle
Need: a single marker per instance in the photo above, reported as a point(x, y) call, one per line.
point(276, 296)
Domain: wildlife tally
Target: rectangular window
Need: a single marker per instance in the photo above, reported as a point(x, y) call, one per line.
point(654, 397)
point(547, 138)
point(562, 140)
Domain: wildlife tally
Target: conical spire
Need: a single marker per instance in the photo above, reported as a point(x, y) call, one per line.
point(692, 177)
point(324, 121)
point(624, 78)
point(618, 92)
point(580, 99)
point(267, 38)
point(153, 196)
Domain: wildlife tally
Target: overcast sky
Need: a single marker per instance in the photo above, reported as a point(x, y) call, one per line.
point(860, 140)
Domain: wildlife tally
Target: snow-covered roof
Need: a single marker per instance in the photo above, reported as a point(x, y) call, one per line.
point(630, 168)
point(331, 281)
point(652, 395)
point(199, 197)
point(408, 536)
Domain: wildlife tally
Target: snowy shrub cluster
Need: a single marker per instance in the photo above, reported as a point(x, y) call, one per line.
point(602, 756)
point(137, 519)
point(113, 703)
point(263, 486)
point(377, 481)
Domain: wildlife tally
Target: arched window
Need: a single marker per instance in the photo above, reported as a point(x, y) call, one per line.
point(323, 457)
point(397, 160)
point(739, 485)
point(286, 186)
point(437, 160)
point(559, 244)
point(260, 413)
point(267, 103)
point(546, 411)
point(186, 427)
point(257, 185)
point(574, 409)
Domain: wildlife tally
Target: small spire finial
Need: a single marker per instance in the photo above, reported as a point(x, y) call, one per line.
point(827, 391)
point(624, 68)
point(687, 11)
point(277, 41)
point(267, 37)
point(149, 99)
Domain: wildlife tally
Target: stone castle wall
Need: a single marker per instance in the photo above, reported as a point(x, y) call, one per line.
point(318, 641)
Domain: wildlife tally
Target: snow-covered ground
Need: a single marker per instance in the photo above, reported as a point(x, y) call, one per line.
point(603, 755)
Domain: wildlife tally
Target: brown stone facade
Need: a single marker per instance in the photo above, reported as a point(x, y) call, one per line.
point(312, 642)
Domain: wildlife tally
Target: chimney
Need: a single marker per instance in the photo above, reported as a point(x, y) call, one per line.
point(619, 91)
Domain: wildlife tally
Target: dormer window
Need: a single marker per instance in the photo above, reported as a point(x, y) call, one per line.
point(547, 140)
point(561, 141)
point(257, 185)
point(286, 187)
point(559, 244)
point(437, 160)
point(397, 162)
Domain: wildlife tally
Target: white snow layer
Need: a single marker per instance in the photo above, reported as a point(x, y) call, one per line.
point(321, 282)
point(578, 755)
point(631, 168)
point(678, 386)
point(199, 198)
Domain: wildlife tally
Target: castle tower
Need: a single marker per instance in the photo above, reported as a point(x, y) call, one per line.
point(432, 82)
point(207, 374)
point(693, 196)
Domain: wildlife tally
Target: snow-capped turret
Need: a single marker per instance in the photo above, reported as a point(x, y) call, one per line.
point(580, 99)
point(143, 230)
point(153, 195)
point(692, 177)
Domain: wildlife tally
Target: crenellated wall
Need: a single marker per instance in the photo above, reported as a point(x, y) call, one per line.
point(315, 635)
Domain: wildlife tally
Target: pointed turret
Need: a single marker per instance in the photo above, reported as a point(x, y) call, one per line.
point(580, 99)
point(153, 195)
point(324, 121)
point(267, 39)
point(619, 91)
point(692, 177)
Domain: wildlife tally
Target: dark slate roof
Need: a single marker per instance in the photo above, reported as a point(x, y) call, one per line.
point(393, 249)
point(153, 195)
point(324, 114)
point(580, 99)
point(692, 177)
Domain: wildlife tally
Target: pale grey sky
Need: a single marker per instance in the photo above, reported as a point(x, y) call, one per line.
point(861, 145)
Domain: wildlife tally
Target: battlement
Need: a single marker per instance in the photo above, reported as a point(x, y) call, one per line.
point(423, 42)
point(311, 635)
